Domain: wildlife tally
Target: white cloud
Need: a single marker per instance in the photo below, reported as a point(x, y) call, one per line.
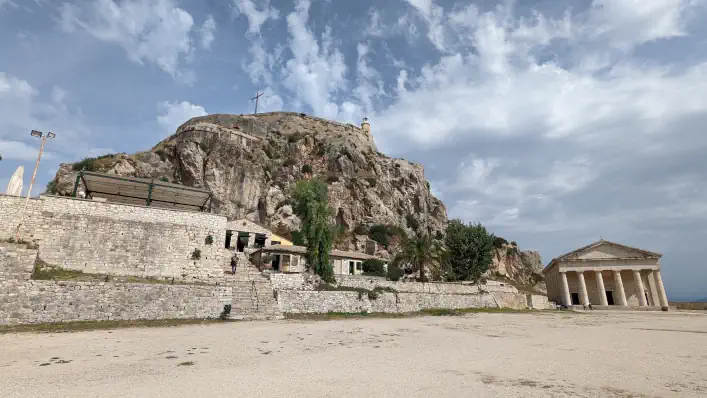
point(24, 108)
point(174, 114)
point(208, 30)
point(626, 23)
point(256, 16)
point(316, 71)
point(155, 32)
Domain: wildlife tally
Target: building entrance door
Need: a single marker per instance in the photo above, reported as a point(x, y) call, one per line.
point(575, 299)
point(610, 297)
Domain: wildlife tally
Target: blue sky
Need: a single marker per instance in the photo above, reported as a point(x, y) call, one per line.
point(553, 122)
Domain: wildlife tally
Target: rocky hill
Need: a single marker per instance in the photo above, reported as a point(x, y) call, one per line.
point(521, 268)
point(251, 163)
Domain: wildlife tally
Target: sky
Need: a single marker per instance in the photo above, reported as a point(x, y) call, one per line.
point(552, 122)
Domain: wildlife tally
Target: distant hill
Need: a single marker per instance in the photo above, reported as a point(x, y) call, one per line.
point(704, 300)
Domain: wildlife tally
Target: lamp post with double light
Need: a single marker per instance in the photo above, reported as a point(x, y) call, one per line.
point(37, 134)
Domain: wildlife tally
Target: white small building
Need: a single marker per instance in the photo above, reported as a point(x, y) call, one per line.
point(292, 259)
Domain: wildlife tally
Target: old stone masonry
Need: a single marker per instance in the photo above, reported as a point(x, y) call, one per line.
point(136, 262)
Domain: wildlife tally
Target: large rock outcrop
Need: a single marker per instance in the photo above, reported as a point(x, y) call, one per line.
point(522, 268)
point(251, 163)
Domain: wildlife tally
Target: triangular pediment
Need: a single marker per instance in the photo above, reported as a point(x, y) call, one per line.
point(605, 250)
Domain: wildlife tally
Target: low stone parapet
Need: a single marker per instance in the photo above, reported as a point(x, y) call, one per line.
point(322, 302)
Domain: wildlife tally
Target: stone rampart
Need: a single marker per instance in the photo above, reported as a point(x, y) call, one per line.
point(117, 239)
point(62, 301)
point(26, 301)
point(321, 302)
point(297, 282)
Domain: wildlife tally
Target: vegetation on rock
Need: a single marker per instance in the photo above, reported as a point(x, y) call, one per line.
point(94, 164)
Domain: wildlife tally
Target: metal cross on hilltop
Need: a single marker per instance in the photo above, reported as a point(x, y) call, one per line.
point(258, 94)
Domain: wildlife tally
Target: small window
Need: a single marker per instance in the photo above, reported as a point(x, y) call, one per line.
point(260, 240)
point(359, 266)
point(275, 242)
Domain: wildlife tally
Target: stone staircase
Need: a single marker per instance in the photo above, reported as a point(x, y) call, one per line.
point(253, 296)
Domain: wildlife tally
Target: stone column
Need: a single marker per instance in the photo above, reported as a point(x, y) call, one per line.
point(620, 289)
point(567, 300)
point(652, 291)
point(661, 290)
point(602, 290)
point(582, 288)
point(640, 290)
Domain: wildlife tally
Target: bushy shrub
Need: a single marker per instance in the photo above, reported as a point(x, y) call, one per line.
point(92, 164)
point(498, 242)
point(164, 179)
point(394, 273)
point(209, 240)
point(298, 238)
point(374, 267)
point(307, 169)
point(51, 187)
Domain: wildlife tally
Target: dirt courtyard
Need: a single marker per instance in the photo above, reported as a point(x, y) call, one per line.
point(476, 355)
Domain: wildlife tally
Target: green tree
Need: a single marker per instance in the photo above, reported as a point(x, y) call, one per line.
point(469, 250)
point(374, 267)
point(312, 207)
point(417, 253)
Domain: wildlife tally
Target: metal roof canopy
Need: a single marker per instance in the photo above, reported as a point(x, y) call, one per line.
point(142, 192)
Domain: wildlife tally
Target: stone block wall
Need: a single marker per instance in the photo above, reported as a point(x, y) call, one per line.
point(538, 302)
point(297, 281)
point(99, 237)
point(61, 301)
point(26, 301)
point(321, 302)
point(10, 211)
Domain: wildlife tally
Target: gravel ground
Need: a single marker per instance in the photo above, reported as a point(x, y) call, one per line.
point(478, 355)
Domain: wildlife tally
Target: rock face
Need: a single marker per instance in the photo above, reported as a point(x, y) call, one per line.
point(522, 268)
point(251, 164)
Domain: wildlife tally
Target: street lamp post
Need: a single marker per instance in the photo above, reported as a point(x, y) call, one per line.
point(44, 138)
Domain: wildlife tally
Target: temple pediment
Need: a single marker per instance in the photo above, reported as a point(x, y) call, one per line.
point(605, 250)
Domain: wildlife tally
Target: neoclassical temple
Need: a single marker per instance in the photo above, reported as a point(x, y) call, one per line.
point(607, 274)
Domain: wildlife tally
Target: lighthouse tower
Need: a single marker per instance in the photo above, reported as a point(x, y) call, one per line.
point(366, 126)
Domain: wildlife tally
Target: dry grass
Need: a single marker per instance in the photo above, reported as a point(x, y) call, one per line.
point(427, 312)
point(46, 272)
point(101, 325)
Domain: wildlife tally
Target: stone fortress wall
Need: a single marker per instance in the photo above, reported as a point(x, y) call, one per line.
point(24, 301)
point(296, 294)
point(117, 239)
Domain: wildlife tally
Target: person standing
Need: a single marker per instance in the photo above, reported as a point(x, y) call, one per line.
point(234, 262)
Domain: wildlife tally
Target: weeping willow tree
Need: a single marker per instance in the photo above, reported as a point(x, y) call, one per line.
point(312, 207)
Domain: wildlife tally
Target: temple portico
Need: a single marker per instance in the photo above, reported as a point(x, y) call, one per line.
point(607, 274)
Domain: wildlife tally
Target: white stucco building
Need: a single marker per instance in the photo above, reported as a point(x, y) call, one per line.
point(607, 274)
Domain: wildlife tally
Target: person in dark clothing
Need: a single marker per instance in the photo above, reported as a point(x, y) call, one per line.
point(234, 262)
